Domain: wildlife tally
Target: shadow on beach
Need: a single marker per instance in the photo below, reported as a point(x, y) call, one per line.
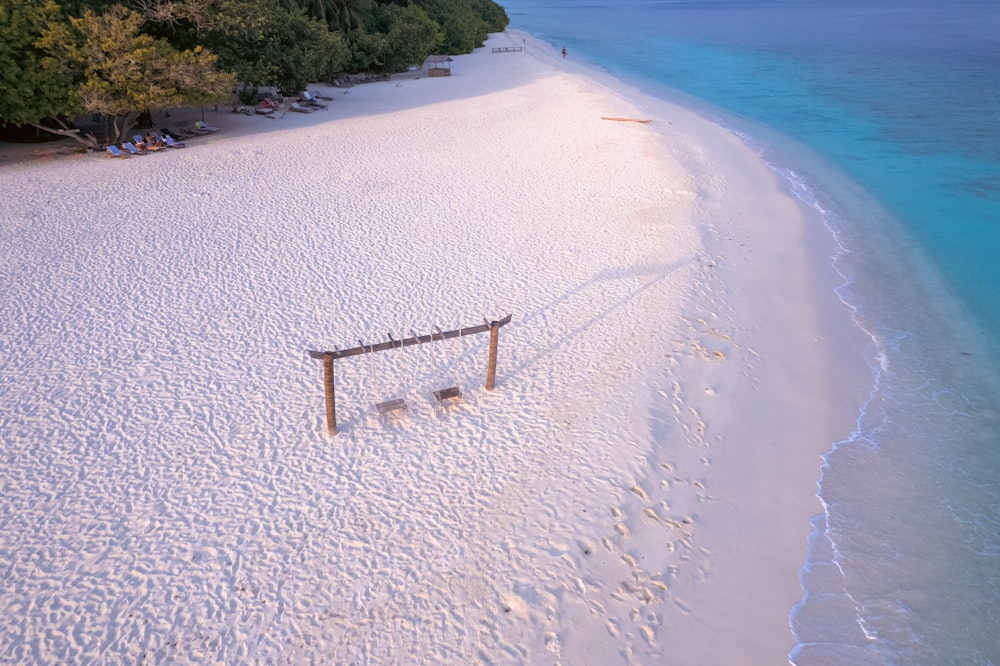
point(472, 75)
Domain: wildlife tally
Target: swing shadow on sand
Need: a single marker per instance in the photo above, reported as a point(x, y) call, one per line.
point(654, 272)
point(392, 406)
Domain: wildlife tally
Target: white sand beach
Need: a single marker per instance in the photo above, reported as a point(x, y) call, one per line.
point(636, 489)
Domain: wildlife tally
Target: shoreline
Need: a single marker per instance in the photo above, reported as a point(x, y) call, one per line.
point(639, 486)
point(732, 621)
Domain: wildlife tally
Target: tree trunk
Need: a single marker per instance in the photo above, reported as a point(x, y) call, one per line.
point(88, 140)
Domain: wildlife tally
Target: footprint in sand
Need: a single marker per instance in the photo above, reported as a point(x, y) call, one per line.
point(552, 644)
point(659, 584)
point(682, 606)
point(513, 604)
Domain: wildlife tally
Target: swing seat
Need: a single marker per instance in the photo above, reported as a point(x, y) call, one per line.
point(389, 406)
point(448, 393)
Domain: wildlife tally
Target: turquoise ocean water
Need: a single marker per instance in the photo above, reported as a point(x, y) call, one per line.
point(885, 116)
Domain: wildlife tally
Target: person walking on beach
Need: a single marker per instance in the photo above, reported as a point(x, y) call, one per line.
point(564, 53)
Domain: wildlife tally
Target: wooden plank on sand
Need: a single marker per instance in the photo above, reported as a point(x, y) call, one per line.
point(627, 120)
point(393, 405)
point(448, 393)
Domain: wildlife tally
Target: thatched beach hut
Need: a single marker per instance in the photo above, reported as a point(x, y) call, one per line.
point(438, 65)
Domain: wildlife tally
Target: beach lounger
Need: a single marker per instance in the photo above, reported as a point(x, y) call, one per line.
point(267, 106)
point(181, 134)
point(320, 96)
point(132, 148)
point(308, 98)
point(115, 151)
point(295, 106)
point(142, 144)
point(171, 143)
point(204, 128)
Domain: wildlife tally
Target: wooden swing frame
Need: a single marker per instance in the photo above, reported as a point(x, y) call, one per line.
point(328, 357)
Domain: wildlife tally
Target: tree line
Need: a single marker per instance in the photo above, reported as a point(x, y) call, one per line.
point(61, 59)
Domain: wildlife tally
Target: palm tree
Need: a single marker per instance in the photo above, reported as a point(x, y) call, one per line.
point(321, 10)
point(351, 14)
point(343, 15)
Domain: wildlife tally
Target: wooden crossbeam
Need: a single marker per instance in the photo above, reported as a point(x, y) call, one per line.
point(409, 342)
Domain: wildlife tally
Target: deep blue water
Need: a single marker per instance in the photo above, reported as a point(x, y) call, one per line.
point(886, 115)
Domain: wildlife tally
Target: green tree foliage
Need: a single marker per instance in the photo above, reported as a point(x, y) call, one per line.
point(464, 31)
point(55, 66)
point(181, 22)
point(324, 11)
point(342, 15)
point(351, 14)
point(119, 72)
point(493, 14)
point(61, 58)
point(268, 45)
point(409, 35)
point(467, 23)
point(33, 86)
point(367, 51)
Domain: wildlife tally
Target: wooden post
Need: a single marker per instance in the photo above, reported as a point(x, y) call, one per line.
point(331, 401)
point(491, 369)
point(330, 356)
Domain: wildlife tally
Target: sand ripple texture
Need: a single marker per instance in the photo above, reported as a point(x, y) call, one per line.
point(169, 494)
